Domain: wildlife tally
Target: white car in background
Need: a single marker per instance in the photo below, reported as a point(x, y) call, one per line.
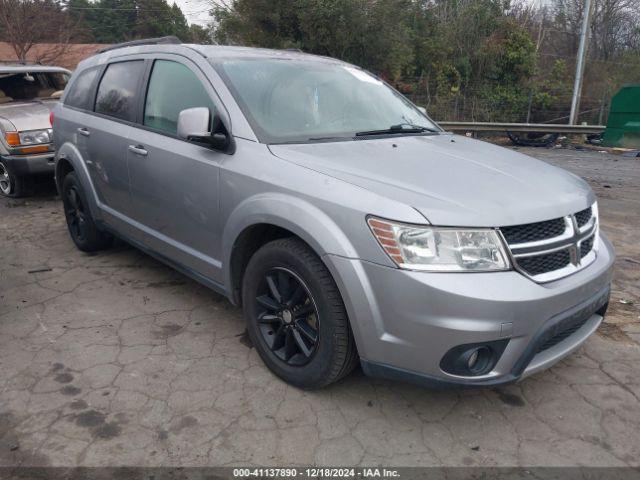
point(28, 93)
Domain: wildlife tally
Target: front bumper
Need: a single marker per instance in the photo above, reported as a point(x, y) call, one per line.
point(404, 322)
point(37, 164)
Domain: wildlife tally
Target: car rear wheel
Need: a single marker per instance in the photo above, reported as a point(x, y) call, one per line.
point(82, 227)
point(295, 315)
point(11, 185)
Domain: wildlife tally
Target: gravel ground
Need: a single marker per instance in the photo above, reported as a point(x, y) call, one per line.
point(114, 359)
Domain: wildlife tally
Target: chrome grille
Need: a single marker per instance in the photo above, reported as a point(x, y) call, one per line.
point(537, 264)
point(533, 232)
point(583, 217)
point(586, 246)
point(552, 249)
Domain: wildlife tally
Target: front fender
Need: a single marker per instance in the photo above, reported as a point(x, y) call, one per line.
point(292, 213)
point(69, 153)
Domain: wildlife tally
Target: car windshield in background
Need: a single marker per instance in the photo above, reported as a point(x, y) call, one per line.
point(291, 101)
point(32, 85)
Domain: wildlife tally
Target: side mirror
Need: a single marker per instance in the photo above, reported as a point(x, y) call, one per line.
point(193, 124)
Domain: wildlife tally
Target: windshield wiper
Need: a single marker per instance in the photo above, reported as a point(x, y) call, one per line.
point(394, 129)
point(320, 139)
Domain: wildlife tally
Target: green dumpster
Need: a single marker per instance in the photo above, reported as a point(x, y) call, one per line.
point(623, 126)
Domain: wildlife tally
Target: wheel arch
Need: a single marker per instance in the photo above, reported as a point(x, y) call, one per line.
point(68, 159)
point(264, 218)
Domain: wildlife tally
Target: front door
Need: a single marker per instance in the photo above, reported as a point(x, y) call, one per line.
point(174, 183)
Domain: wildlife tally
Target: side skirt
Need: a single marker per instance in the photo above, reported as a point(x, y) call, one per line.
point(202, 279)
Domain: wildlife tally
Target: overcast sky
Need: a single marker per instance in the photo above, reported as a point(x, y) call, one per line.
point(196, 11)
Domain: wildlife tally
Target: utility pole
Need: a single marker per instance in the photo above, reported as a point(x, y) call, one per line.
point(580, 61)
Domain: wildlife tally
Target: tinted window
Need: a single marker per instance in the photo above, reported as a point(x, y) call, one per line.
point(80, 93)
point(173, 87)
point(117, 91)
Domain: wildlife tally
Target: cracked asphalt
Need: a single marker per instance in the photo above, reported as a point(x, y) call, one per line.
point(114, 359)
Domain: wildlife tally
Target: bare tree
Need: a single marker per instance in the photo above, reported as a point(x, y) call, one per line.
point(26, 23)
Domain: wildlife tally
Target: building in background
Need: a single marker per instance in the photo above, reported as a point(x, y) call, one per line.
point(67, 56)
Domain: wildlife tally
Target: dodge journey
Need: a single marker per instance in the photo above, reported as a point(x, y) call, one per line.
point(348, 226)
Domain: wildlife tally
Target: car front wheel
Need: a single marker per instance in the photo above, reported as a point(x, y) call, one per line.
point(295, 315)
point(11, 185)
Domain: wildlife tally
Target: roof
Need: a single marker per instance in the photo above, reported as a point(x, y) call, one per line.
point(210, 52)
point(226, 51)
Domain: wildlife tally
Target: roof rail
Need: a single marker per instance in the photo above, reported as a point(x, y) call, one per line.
point(170, 40)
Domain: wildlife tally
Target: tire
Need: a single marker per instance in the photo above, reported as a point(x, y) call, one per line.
point(82, 227)
point(309, 304)
point(12, 186)
point(533, 139)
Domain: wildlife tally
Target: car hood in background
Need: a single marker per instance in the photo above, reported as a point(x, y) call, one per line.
point(28, 115)
point(451, 180)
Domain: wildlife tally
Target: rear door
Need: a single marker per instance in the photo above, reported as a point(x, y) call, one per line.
point(79, 98)
point(107, 133)
point(174, 182)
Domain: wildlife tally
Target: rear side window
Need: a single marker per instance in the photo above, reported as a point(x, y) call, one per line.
point(117, 90)
point(173, 87)
point(79, 95)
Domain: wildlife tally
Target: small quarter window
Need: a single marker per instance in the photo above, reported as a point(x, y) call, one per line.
point(117, 91)
point(79, 95)
point(173, 87)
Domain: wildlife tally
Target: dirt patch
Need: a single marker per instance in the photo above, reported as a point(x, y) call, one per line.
point(90, 418)
point(63, 378)
point(78, 405)
point(613, 331)
point(70, 390)
point(12, 453)
point(510, 399)
point(169, 330)
point(185, 422)
point(96, 422)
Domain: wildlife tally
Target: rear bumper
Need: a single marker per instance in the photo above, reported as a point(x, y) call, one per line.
point(39, 164)
point(405, 322)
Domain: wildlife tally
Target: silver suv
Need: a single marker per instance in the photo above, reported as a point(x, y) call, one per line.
point(28, 92)
point(347, 224)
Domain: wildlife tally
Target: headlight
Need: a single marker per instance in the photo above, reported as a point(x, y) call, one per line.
point(440, 249)
point(33, 137)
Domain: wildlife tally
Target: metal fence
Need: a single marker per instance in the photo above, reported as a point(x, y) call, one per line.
point(494, 105)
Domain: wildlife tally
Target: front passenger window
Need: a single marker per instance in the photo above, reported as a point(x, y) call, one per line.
point(173, 87)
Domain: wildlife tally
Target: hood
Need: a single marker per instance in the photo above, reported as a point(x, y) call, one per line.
point(452, 180)
point(28, 115)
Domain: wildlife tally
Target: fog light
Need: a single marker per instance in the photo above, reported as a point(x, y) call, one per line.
point(473, 359)
point(478, 359)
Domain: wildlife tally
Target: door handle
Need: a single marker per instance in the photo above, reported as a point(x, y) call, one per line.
point(84, 131)
point(138, 150)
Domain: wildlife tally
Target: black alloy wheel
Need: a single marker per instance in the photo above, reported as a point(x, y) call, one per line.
point(74, 210)
point(288, 317)
point(295, 315)
point(82, 227)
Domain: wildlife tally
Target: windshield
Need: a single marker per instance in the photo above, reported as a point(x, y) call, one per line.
point(290, 101)
point(31, 85)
